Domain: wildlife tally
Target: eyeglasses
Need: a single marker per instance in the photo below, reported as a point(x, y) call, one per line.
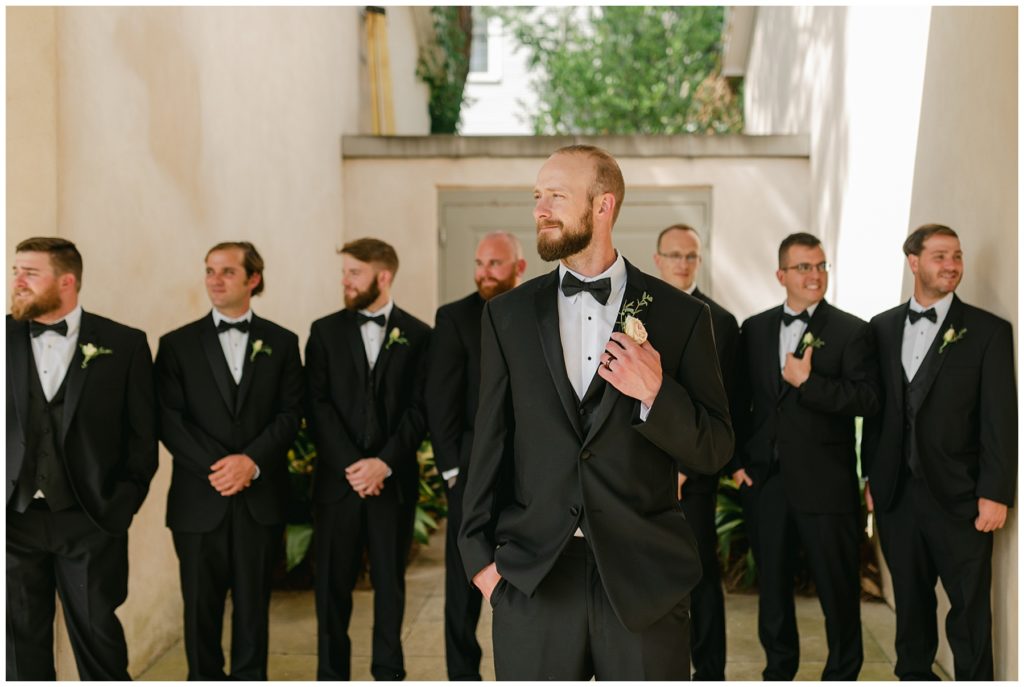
point(676, 257)
point(806, 267)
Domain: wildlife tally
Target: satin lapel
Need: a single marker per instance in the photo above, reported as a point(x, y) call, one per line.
point(815, 326)
point(215, 357)
point(770, 349)
point(933, 362)
point(76, 375)
point(256, 332)
point(18, 363)
point(635, 286)
point(546, 307)
point(386, 353)
point(894, 352)
point(349, 328)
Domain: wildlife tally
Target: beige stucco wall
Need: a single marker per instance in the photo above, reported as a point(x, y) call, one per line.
point(146, 135)
point(755, 202)
point(924, 130)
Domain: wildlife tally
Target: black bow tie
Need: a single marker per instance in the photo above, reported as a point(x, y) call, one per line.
point(928, 314)
point(224, 325)
point(37, 328)
point(600, 289)
point(787, 319)
point(376, 319)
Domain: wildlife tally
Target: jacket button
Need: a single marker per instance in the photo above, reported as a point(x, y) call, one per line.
point(574, 511)
point(581, 411)
point(586, 455)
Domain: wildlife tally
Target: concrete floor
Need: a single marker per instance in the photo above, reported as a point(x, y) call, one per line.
point(293, 633)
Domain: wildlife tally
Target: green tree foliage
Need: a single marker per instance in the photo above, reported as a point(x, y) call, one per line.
point(627, 69)
point(444, 66)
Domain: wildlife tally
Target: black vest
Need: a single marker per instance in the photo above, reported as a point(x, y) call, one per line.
point(44, 468)
point(913, 397)
point(374, 434)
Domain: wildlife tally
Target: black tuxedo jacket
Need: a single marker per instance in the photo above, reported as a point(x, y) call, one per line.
point(809, 430)
point(108, 441)
point(453, 382)
point(336, 374)
point(966, 427)
point(727, 339)
point(619, 478)
point(205, 416)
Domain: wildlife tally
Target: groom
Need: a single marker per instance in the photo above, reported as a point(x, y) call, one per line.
point(588, 562)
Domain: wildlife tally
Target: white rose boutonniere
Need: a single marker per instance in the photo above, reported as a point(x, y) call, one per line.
point(809, 341)
point(950, 337)
point(395, 337)
point(259, 347)
point(629, 318)
point(90, 351)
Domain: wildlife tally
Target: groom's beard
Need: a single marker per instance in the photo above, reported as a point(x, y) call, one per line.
point(363, 299)
point(26, 305)
point(570, 241)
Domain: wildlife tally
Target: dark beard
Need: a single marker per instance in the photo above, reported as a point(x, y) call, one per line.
point(42, 304)
point(503, 285)
point(363, 299)
point(570, 243)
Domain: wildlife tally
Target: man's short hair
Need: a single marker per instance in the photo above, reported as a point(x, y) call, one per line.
point(252, 261)
point(675, 227)
point(607, 175)
point(64, 255)
point(517, 247)
point(800, 238)
point(915, 242)
point(373, 251)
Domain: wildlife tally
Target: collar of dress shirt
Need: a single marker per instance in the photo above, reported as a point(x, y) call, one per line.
point(810, 309)
point(385, 310)
point(218, 317)
point(689, 291)
point(74, 320)
point(617, 274)
point(941, 308)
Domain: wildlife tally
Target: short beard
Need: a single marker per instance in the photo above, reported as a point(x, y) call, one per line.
point(363, 299)
point(570, 243)
point(34, 308)
point(503, 285)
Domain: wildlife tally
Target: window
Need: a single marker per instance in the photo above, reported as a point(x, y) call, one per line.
point(485, 50)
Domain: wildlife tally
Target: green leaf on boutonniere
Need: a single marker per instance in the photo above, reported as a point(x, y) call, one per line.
point(950, 337)
point(395, 336)
point(90, 351)
point(809, 341)
point(258, 347)
point(633, 309)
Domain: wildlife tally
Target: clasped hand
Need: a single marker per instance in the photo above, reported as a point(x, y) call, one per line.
point(635, 371)
point(231, 474)
point(366, 476)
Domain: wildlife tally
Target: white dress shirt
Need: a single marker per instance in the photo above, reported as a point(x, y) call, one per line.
point(918, 337)
point(789, 337)
point(53, 353)
point(233, 342)
point(373, 334)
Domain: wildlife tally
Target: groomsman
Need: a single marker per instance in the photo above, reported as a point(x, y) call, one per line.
point(942, 457)
point(807, 370)
point(571, 526)
point(81, 451)
point(678, 258)
point(230, 390)
point(453, 387)
point(365, 367)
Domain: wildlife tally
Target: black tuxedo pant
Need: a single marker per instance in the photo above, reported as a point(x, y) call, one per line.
point(568, 630)
point(831, 544)
point(707, 602)
point(462, 600)
point(923, 543)
point(64, 553)
point(238, 555)
point(342, 530)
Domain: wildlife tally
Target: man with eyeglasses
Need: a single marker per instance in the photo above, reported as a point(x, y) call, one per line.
point(807, 370)
point(678, 259)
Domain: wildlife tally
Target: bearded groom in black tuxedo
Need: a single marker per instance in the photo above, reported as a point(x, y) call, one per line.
point(571, 527)
point(452, 392)
point(807, 369)
point(678, 258)
point(365, 369)
point(941, 458)
point(81, 451)
point(230, 391)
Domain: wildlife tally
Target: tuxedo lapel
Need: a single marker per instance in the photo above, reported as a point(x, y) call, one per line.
point(350, 330)
point(386, 352)
point(18, 368)
point(933, 361)
point(546, 307)
point(770, 350)
point(894, 351)
point(635, 286)
point(75, 378)
point(218, 365)
point(257, 332)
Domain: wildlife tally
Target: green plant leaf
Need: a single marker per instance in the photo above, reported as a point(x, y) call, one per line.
point(296, 543)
